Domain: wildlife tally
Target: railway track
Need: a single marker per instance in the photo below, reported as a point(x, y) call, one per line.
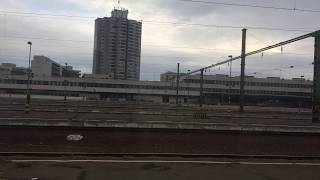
point(167, 107)
point(159, 155)
point(114, 106)
point(156, 116)
point(124, 111)
point(171, 123)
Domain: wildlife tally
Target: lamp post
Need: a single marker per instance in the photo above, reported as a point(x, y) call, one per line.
point(28, 82)
point(230, 74)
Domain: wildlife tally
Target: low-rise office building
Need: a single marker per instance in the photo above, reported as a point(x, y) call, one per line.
point(169, 76)
point(45, 67)
point(216, 89)
point(12, 69)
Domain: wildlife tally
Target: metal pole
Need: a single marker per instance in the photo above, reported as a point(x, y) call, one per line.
point(301, 93)
point(201, 87)
point(28, 75)
point(316, 80)
point(65, 83)
point(230, 75)
point(188, 89)
point(243, 63)
point(178, 79)
point(257, 51)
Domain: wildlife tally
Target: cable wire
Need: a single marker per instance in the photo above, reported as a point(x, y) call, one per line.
point(252, 6)
point(156, 22)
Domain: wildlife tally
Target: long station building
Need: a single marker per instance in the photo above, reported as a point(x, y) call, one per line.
point(216, 89)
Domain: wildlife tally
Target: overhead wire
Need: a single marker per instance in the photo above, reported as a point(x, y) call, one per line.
point(288, 29)
point(257, 51)
point(157, 22)
point(258, 39)
point(143, 63)
point(86, 41)
point(147, 44)
point(252, 6)
point(175, 23)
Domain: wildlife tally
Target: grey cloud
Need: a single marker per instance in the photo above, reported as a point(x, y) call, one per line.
point(80, 54)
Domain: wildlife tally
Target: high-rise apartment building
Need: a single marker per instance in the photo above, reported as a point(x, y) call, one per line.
point(117, 46)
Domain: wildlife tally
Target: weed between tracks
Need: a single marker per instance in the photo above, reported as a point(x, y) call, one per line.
point(154, 167)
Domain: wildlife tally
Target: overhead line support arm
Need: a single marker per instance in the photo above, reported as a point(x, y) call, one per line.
point(258, 51)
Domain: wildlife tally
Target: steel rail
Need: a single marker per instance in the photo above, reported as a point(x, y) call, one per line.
point(159, 155)
point(174, 114)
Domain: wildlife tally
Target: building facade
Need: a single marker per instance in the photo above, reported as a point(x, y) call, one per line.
point(45, 67)
point(259, 91)
point(117, 46)
point(12, 69)
point(169, 76)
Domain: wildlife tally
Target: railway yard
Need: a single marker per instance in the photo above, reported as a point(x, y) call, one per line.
point(89, 140)
point(135, 112)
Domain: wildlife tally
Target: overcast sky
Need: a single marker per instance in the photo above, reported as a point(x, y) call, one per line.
point(70, 39)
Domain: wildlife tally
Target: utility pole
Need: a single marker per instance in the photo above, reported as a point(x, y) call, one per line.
point(230, 78)
point(178, 79)
point(27, 108)
point(301, 93)
point(201, 88)
point(188, 88)
point(243, 64)
point(316, 80)
point(65, 83)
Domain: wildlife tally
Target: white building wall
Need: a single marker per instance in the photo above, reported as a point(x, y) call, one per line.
point(41, 68)
point(141, 90)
